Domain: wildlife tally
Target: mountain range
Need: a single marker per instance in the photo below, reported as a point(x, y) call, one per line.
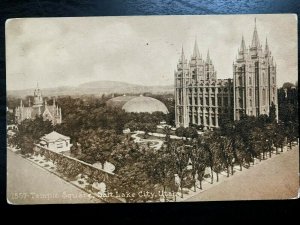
point(96, 88)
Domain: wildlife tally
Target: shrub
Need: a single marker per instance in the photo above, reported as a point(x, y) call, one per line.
point(207, 175)
point(88, 187)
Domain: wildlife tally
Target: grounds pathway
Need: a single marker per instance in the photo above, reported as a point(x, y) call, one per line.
point(28, 183)
point(274, 178)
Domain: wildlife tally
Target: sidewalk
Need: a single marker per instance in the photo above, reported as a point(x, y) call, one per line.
point(273, 178)
point(27, 183)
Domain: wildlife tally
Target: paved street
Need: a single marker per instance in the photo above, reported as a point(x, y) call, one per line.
point(30, 184)
point(275, 178)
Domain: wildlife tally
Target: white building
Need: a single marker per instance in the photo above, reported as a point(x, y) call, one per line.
point(55, 142)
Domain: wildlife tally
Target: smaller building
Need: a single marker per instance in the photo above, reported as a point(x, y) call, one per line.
point(11, 130)
point(55, 142)
point(48, 112)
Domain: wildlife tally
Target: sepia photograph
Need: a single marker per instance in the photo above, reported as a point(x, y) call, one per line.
point(140, 109)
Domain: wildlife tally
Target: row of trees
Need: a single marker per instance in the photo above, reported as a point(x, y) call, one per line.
point(235, 143)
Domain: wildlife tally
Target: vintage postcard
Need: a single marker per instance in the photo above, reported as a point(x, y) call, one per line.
point(152, 109)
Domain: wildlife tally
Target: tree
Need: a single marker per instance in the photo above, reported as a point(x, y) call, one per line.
point(10, 117)
point(216, 156)
point(256, 137)
point(227, 153)
point(29, 132)
point(272, 113)
point(210, 146)
point(180, 132)
point(167, 132)
point(148, 127)
point(279, 137)
point(199, 159)
point(191, 132)
point(202, 162)
point(96, 145)
point(163, 170)
point(126, 152)
point(26, 143)
point(133, 184)
point(288, 85)
point(181, 158)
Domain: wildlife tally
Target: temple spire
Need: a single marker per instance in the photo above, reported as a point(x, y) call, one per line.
point(255, 39)
point(267, 46)
point(243, 46)
point(182, 54)
point(196, 52)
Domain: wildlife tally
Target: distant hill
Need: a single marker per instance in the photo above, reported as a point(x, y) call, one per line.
point(96, 88)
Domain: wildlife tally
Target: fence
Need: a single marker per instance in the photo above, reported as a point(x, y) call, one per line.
point(72, 167)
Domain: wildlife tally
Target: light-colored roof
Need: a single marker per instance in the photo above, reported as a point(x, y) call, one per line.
point(119, 101)
point(144, 104)
point(54, 136)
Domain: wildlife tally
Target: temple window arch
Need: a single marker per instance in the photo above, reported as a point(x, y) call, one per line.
point(240, 80)
point(264, 96)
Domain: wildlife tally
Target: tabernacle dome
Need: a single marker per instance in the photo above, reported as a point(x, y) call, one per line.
point(138, 104)
point(119, 101)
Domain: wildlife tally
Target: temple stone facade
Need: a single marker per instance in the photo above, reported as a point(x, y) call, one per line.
point(202, 99)
point(254, 73)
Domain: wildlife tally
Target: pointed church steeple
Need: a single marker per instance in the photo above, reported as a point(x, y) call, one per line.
point(267, 47)
point(37, 99)
point(182, 57)
point(243, 46)
point(208, 57)
point(196, 53)
point(255, 39)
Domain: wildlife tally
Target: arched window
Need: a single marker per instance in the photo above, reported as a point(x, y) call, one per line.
point(264, 96)
point(240, 80)
point(250, 81)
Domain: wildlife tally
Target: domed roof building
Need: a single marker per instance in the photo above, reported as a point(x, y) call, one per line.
point(119, 101)
point(138, 104)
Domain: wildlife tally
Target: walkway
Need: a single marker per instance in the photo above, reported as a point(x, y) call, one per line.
point(30, 184)
point(274, 178)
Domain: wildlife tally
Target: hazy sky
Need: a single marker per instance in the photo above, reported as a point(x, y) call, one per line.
point(141, 50)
